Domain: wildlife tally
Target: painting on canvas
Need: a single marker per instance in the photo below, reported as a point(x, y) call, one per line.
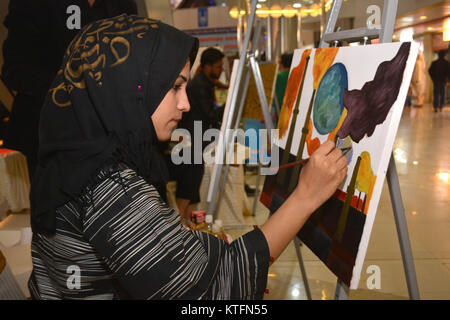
point(252, 105)
point(353, 96)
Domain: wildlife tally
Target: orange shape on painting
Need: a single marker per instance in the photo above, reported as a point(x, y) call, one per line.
point(365, 181)
point(313, 144)
point(292, 87)
point(323, 58)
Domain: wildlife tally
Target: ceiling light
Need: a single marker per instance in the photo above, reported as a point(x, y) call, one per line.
point(275, 11)
point(234, 13)
point(444, 176)
point(446, 33)
point(263, 12)
point(289, 12)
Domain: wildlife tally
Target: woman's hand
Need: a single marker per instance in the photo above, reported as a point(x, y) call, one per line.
point(321, 176)
point(318, 180)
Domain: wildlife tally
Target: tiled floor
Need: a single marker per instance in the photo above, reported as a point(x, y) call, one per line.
point(422, 152)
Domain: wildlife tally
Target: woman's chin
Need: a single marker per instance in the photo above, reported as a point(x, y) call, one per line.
point(167, 135)
point(164, 138)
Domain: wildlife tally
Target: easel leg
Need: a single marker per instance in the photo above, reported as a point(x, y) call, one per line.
point(341, 291)
point(255, 200)
point(234, 125)
point(297, 244)
point(402, 230)
point(221, 192)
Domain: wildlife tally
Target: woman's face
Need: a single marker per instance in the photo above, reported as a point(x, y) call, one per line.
point(170, 110)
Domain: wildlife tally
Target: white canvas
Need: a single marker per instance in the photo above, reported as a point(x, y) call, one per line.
point(219, 149)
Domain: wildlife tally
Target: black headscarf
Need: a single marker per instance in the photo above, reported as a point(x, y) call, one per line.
point(114, 75)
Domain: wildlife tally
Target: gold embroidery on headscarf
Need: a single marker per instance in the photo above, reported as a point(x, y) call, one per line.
point(142, 20)
point(128, 31)
point(98, 76)
point(120, 25)
point(123, 41)
point(103, 26)
point(54, 91)
point(84, 53)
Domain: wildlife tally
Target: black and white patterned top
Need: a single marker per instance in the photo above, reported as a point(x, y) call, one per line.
point(126, 243)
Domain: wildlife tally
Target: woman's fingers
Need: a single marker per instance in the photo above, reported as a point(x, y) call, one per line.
point(325, 148)
point(342, 163)
point(334, 155)
point(343, 174)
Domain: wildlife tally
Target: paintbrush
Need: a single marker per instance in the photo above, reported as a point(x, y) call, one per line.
point(345, 150)
point(291, 164)
point(305, 161)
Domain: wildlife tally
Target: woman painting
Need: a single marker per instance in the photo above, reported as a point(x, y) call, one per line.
point(96, 210)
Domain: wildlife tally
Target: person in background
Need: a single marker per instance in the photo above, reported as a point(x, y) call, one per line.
point(418, 81)
point(284, 66)
point(38, 35)
point(204, 108)
point(440, 74)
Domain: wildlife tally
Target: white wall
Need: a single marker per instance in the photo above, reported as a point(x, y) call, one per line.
point(218, 17)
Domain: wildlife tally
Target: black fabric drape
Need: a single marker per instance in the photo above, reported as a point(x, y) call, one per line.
point(33, 50)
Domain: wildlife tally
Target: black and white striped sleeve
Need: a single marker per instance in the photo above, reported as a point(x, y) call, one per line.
point(152, 256)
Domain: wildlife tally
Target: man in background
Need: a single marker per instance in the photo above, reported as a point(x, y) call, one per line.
point(201, 92)
point(440, 74)
point(38, 35)
point(284, 66)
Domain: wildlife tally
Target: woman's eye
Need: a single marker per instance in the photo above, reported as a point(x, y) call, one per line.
point(177, 87)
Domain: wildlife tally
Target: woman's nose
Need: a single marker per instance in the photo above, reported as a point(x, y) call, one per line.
point(183, 104)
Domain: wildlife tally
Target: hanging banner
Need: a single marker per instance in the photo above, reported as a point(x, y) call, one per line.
point(202, 15)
